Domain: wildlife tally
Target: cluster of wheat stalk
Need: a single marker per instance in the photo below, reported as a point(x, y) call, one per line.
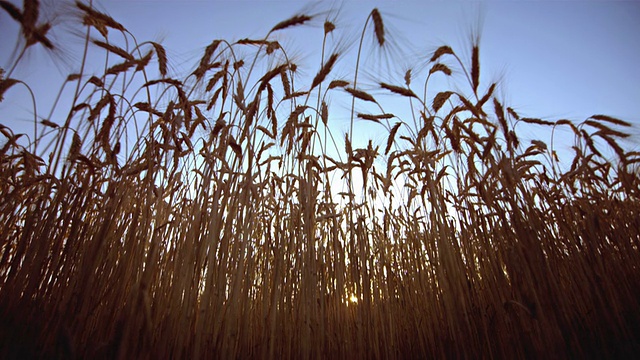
point(200, 216)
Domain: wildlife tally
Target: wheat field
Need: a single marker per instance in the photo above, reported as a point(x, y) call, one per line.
point(218, 214)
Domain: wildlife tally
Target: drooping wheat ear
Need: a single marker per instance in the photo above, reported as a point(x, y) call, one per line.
point(391, 137)
point(440, 99)
point(614, 145)
point(144, 60)
point(105, 130)
point(398, 90)
point(162, 58)
point(611, 120)
point(12, 10)
point(338, 83)
point(360, 94)
point(347, 147)
point(206, 57)
point(324, 113)
point(76, 144)
point(407, 77)
point(49, 123)
point(286, 84)
point(114, 49)
point(442, 50)
point(324, 71)
point(119, 68)
point(5, 84)
point(605, 129)
point(570, 124)
point(486, 96)
point(98, 19)
point(378, 26)
point(500, 115)
point(440, 67)
point(376, 118)
point(293, 21)
point(537, 121)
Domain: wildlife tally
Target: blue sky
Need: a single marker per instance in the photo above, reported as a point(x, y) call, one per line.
point(555, 59)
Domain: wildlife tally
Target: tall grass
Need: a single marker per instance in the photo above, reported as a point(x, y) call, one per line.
point(199, 216)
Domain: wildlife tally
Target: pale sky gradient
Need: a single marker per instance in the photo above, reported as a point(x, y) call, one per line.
point(556, 59)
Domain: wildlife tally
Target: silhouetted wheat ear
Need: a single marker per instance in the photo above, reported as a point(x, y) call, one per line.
point(475, 67)
point(324, 71)
point(378, 26)
point(293, 21)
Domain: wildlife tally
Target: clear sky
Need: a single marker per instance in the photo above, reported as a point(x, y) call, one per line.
point(556, 59)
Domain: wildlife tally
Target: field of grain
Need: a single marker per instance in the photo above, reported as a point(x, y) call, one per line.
point(217, 214)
